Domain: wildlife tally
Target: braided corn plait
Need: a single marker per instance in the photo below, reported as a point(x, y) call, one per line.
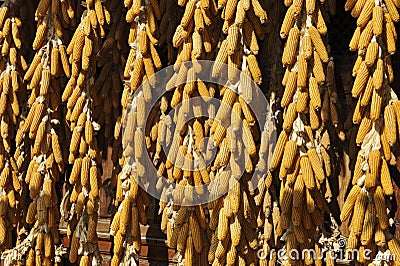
point(309, 120)
point(13, 94)
point(377, 134)
point(244, 215)
point(142, 62)
point(34, 159)
point(84, 95)
point(269, 212)
point(194, 39)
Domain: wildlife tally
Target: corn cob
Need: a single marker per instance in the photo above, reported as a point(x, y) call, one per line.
point(349, 203)
point(379, 201)
point(318, 44)
point(289, 53)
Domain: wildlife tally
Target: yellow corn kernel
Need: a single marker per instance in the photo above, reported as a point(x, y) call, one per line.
point(357, 65)
point(310, 6)
point(149, 68)
point(349, 4)
point(115, 223)
point(3, 14)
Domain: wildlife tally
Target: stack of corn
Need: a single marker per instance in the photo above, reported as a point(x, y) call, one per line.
point(378, 114)
point(12, 96)
point(82, 98)
point(236, 220)
point(301, 149)
point(183, 216)
point(143, 61)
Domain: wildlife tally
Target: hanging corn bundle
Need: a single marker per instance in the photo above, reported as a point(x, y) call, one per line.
point(41, 135)
point(83, 100)
point(108, 84)
point(377, 113)
point(301, 153)
point(12, 96)
point(143, 61)
point(236, 221)
point(182, 168)
point(266, 198)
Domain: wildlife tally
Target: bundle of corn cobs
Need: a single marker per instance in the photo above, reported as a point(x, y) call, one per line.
point(234, 184)
point(377, 113)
